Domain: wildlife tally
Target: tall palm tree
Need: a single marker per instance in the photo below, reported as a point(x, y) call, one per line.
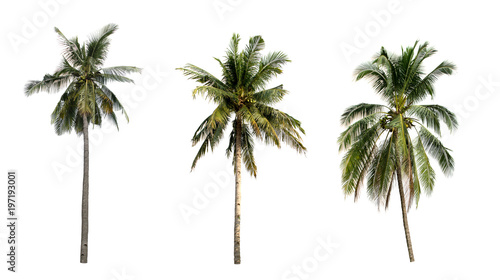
point(86, 98)
point(393, 141)
point(244, 102)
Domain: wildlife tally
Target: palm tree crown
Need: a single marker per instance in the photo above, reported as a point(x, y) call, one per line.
point(378, 137)
point(84, 79)
point(242, 93)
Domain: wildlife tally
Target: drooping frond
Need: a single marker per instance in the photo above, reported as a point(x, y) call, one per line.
point(437, 150)
point(348, 136)
point(381, 171)
point(116, 103)
point(408, 171)
point(83, 99)
point(64, 115)
point(286, 128)
point(247, 147)
point(105, 104)
point(355, 161)
point(427, 116)
point(232, 141)
point(261, 125)
point(430, 114)
point(210, 131)
point(426, 172)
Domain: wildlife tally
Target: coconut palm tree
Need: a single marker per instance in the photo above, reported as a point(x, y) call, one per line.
point(391, 143)
point(244, 103)
point(86, 99)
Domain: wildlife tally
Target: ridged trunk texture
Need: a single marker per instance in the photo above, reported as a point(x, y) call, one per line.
point(237, 202)
point(403, 205)
point(85, 193)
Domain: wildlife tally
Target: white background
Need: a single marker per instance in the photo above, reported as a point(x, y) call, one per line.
point(140, 177)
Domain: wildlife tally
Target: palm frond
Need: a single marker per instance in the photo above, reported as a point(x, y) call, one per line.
point(49, 83)
point(214, 94)
point(121, 70)
point(285, 128)
point(270, 96)
point(270, 66)
point(72, 51)
point(381, 171)
point(425, 170)
point(247, 147)
point(64, 115)
point(351, 134)
point(251, 58)
point(104, 79)
point(437, 113)
point(428, 117)
point(210, 131)
point(357, 157)
point(426, 85)
point(116, 103)
point(98, 44)
point(201, 76)
point(361, 110)
point(437, 150)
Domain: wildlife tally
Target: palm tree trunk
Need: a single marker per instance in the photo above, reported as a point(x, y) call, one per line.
point(403, 205)
point(85, 194)
point(237, 203)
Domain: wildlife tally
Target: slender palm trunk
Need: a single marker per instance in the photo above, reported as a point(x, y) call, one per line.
point(403, 206)
point(237, 203)
point(85, 194)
